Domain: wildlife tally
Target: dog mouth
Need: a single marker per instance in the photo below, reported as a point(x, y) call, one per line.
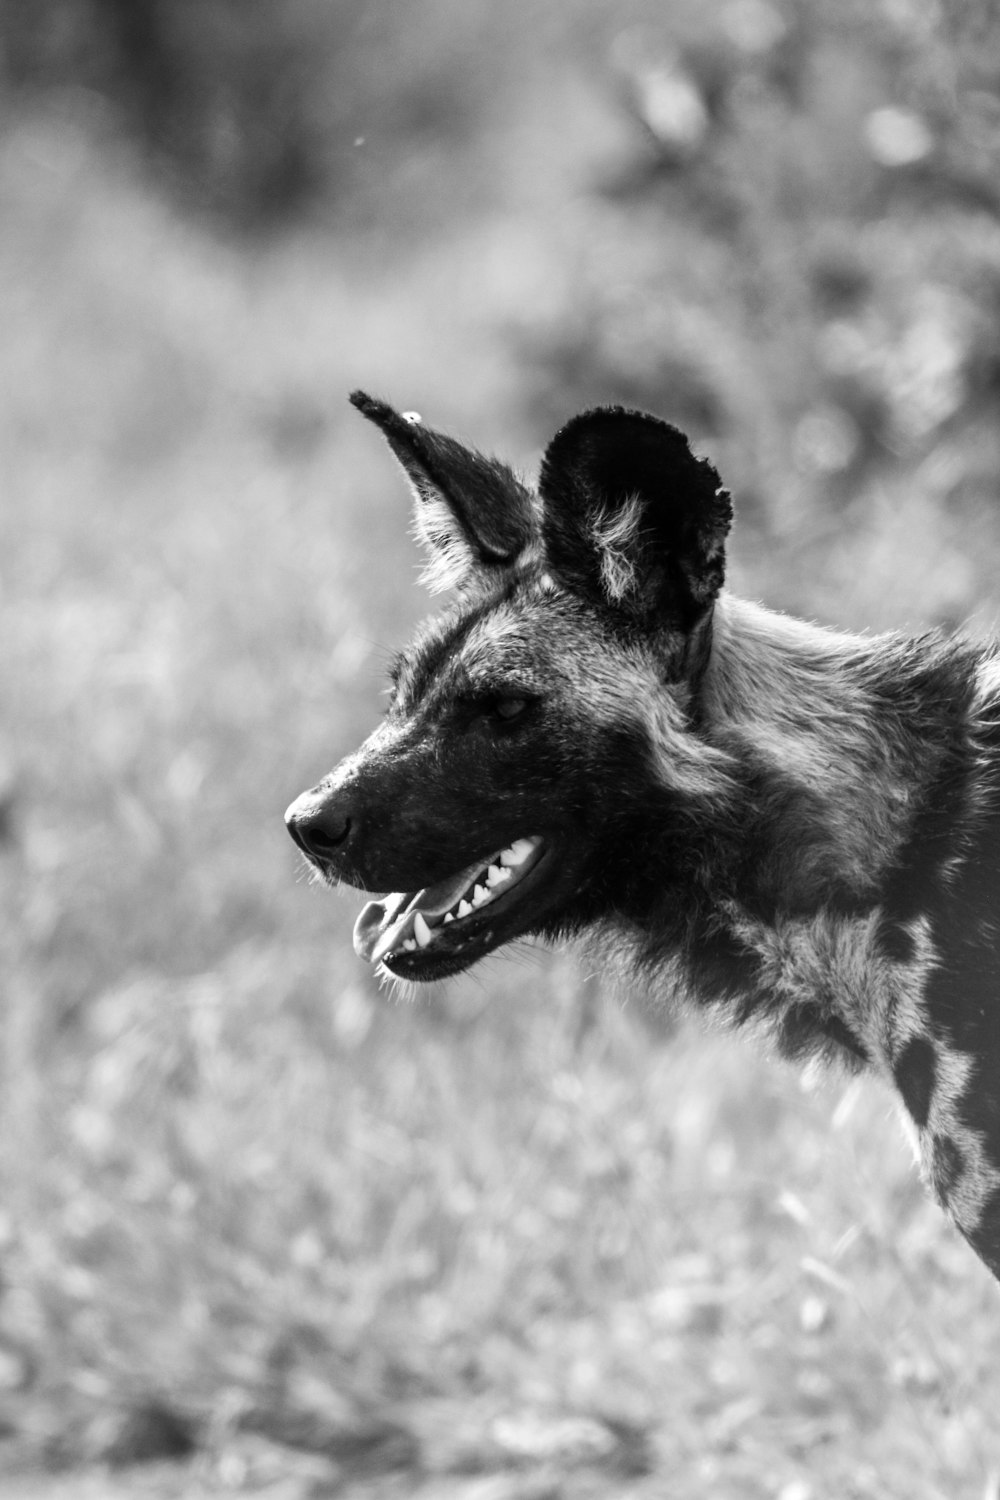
point(445, 927)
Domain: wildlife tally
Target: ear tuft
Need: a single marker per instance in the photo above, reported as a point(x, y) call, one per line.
point(632, 519)
point(617, 536)
point(472, 513)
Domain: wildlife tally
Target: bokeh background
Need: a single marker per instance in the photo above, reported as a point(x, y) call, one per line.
point(262, 1227)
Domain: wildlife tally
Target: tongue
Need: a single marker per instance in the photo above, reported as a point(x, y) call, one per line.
point(382, 925)
point(375, 917)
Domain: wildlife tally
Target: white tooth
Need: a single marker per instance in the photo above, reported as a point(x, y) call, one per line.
point(479, 895)
point(449, 916)
point(463, 909)
point(495, 875)
point(518, 852)
point(421, 931)
point(408, 945)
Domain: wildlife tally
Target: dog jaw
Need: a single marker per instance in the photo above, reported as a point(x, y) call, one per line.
point(446, 927)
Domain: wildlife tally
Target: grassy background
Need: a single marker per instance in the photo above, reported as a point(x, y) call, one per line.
point(526, 1236)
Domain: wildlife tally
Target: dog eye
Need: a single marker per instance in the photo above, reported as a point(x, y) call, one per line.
point(509, 708)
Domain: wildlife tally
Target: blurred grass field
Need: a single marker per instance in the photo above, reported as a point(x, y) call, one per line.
point(524, 1236)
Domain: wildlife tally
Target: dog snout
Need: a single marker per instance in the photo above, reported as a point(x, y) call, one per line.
point(321, 824)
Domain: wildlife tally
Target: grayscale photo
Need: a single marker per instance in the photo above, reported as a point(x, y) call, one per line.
point(500, 750)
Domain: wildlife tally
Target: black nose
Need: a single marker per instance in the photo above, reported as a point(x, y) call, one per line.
point(321, 826)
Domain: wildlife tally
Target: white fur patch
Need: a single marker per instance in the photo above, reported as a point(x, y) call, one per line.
point(817, 729)
point(827, 960)
point(838, 963)
point(898, 1013)
point(989, 681)
point(617, 537)
point(979, 1178)
point(449, 556)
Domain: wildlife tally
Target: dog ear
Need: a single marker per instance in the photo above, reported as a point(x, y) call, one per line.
point(632, 519)
point(472, 513)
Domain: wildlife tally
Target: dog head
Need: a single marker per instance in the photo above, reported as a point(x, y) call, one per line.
point(541, 727)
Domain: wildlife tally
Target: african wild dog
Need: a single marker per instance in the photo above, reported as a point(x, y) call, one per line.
point(785, 823)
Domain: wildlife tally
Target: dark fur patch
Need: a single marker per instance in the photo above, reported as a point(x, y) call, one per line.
point(915, 1072)
point(723, 967)
point(606, 459)
point(985, 1238)
point(963, 992)
point(947, 1166)
point(803, 1030)
point(492, 507)
point(897, 942)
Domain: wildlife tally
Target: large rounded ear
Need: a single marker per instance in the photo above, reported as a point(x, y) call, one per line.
point(472, 513)
point(632, 520)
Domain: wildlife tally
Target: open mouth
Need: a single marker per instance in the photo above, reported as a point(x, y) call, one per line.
point(446, 926)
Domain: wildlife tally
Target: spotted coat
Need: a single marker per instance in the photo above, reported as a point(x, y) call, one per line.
point(792, 827)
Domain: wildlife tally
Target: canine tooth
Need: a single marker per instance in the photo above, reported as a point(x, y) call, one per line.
point(463, 909)
point(496, 875)
point(421, 931)
point(518, 852)
point(479, 895)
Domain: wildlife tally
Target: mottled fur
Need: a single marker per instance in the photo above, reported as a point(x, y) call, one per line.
point(794, 827)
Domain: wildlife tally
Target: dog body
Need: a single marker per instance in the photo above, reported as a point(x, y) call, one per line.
point(785, 824)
